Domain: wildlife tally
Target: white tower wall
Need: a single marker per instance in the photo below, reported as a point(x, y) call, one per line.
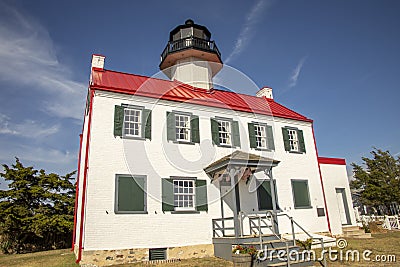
point(193, 71)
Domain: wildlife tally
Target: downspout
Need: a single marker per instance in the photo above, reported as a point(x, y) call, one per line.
point(85, 172)
point(322, 183)
point(77, 190)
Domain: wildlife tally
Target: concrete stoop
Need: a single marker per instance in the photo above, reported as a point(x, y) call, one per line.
point(355, 232)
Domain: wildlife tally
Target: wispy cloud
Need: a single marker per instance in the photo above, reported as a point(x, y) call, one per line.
point(296, 73)
point(248, 29)
point(39, 154)
point(29, 61)
point(27, 128)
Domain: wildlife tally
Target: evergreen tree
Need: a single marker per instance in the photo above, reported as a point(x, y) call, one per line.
point(36, 212)
point(378, 184)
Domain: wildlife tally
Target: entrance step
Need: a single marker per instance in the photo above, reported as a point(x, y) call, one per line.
point(355, 232)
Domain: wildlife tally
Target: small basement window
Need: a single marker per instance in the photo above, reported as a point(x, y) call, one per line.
point(157, 254)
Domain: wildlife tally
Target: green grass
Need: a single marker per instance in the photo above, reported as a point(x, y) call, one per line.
point(380, 244)
point(51, 258)
point(200, 262)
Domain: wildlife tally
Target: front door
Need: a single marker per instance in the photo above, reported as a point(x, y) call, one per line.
point(265, 197)
point(343, 206)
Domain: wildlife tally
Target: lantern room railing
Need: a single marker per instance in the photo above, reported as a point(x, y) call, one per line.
point(190, 42)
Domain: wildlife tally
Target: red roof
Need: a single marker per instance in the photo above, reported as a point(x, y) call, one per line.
point(334, 161)
point(176, 91)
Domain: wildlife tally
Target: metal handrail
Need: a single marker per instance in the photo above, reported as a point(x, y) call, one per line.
point(260, 218)
point(189, 42)
point(223, 228)
point(293, 222)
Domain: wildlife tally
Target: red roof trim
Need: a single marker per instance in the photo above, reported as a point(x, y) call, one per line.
point(333, 161)
point(131, 84)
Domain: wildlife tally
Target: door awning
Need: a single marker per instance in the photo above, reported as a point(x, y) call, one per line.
point(240, 159)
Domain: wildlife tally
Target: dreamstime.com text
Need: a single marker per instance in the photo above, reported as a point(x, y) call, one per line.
point(332, 254)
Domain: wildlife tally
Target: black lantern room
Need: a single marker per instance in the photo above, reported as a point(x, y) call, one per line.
point(190, 40)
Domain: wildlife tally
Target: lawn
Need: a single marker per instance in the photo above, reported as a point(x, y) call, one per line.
point(380, 244)
point(51, 258)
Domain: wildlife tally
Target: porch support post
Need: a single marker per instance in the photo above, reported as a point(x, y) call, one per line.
point(235, 197)
point(275, 227)
point(222, 208)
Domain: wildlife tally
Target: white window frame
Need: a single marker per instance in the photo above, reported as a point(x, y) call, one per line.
point(293, 140)
point(184, 194)
point(261, 136)
point(225, 132)
point(138, 123)
point(182, 127)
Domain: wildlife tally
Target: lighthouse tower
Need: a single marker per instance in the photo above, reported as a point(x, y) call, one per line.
point(190, 56)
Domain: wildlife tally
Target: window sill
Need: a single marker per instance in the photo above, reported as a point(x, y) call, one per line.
point(262, 149)
point(185, 212)
point(296, 152)
point(303, 208)
point(133, 138)
point(184, 142)
point(131, 212)
point(228, 146)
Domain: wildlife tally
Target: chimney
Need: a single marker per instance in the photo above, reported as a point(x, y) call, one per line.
point(265, 91)
point(98, 61)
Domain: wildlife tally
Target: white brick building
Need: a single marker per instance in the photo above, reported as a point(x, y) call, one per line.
point(152, 173)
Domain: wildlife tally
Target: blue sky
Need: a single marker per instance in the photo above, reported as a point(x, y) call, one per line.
point(336, 62)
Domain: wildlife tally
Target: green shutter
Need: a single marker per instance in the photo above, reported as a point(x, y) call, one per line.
point(118, 120)
point(302, 145)
point(167, 194)
point(301, 194)
point(270, 138)
point(146, 123)
point(215, 131)
point(195, 129)
point(235, 134)
point(252, 135)
point(171, 127)
point(201, 195)
point(131, 193)
point(286, 142)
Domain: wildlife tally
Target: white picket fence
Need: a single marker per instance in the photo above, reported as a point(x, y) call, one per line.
point(391, 222)
point(388, 222)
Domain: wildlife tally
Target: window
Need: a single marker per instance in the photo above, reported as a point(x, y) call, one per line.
point(293, 140)
point(130, 194)
point(132, 122)
point(225, 132)
point(182, 127)
point(184, 195)
point(224, 129)
point(301, 194)
point(261, 136)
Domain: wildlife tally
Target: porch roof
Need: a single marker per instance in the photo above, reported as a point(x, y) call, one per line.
point(241, 159)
